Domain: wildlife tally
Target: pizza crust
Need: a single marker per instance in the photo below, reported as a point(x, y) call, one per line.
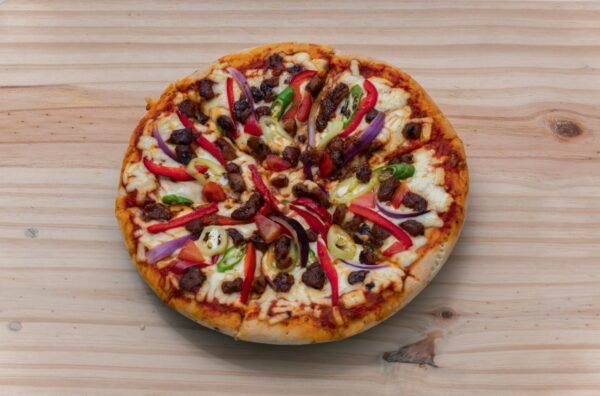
point(301, 329)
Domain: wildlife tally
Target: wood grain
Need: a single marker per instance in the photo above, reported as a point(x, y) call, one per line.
point(514, 311)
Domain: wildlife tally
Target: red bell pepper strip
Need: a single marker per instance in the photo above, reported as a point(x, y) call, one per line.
point(302, 104)
point(363, 108)
point(230, 98)
point(314, 206)
point(249, 268)
point(313, 222)
point(211, 148)
point(383, 222)
point(202, 141)
point(179, 266)
point(183, 220)
point(263, 189)
point(214, 219)
point(175, 173)
point(329, 270)
point(251, 127)
point(326, 165)
point(399, 195)
point(265, 210)
point(277, 163)
point(394, 248)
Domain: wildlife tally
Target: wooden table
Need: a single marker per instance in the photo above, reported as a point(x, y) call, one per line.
point(516, 310)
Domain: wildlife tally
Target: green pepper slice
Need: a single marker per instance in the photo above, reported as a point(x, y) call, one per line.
point(333, 129)
point(349, 189)
point(231, 258)
point(340, 243)
point(213, 240)
point(174, 199)
point(400, 171)
point(281, 102)
point(352, 101)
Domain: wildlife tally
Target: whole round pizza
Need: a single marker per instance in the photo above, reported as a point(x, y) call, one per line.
point(292, 193)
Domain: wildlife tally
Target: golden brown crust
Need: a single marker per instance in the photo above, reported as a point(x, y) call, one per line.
point(307, 328)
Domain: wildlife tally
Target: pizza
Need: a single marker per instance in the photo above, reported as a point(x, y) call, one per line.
point(292, 193)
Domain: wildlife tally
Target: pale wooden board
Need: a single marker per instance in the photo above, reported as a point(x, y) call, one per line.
point(521, 292)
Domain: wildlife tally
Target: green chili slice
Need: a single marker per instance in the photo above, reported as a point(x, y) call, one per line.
point(281, 102)
point(340, 243)
point(231, 258)
point(213, 240)
point(174, 199)
point(352, 102)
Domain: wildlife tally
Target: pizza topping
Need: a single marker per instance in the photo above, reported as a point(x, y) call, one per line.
point(173, 199)
point(314, 207)
point(312, 221)
point(267, 228)
point(387, 189)
point(190, 252)
point(274, 134)
point(232, 257)
point(236, 182)
point(414, 201)
point(371, 114)
point(190, 110)
point(230, 287)
point(195, 226)
point(413, 227)
point(262, 188)
point(205, 88)
point(183, 220)
point(266, 87)
point(181, 136)
point(232, 167)
point(226, 148)
point(302, 102)
point(299, 234)
point(333, 129)
point(294, 69)
point(365, 105)
point(289, 125)
point(236, 237)
point(166, 249)
point(257, 95)
point(291, 154)
point(262, 111)
point(340, 244)
point(339, 215)
point(379, 235)
point(257, 241)
point(365, 139)
point(399, 171)
point(279, 181)
point(329, 269)
point(283, 282)
point(368, 256)
point(156, 211)
point(184, 153)
point(282, 249)
point(363, 173)
point(213, 192)
point(350, 104)
point(277, 163)
point(213, 240)
point(314, 86)
point(355, 277)
point(314, 276)
point(312, 192)
point(192, 279)
point(383, 222)
point(282, 102)
point(311, 235)
point(175, 173)
point(259, 148)
point(330, 103)
point(412, 131)
point(398, 215)
point(242, 110)
point(350, 189)
point(249, 208)
point(225, 123)
point(249, 269)
point(275, 64)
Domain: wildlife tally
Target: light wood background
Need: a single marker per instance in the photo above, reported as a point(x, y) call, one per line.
point(516, 310)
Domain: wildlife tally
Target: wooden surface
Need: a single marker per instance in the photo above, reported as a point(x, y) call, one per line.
point(516, 310)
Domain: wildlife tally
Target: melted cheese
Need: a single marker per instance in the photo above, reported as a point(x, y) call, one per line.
point(190, 189)
point(137, 177)
point(424, 181)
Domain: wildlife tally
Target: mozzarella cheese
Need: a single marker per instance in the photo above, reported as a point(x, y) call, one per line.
point(424, 181)
point(137, 177)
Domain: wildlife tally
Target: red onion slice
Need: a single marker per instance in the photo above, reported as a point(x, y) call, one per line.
point(243, 83)
point(161, 143)
point(166, 249)
point(365, 139)
point(397, 215)
point(364, 266)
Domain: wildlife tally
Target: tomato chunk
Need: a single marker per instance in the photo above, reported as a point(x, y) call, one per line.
point(213, 192)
